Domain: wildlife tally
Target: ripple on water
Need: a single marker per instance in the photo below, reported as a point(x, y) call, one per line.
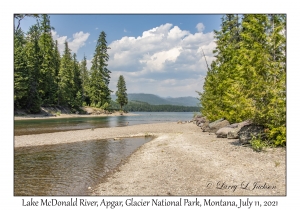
point(69, 169)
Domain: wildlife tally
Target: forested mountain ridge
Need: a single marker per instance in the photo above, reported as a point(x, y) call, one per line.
point(157, 100)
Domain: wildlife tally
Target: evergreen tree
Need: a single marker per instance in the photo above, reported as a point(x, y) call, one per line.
point(48, 77)
point(66, 78)
point(121, 92)
point(77, 95)
point(34, 58)
point(248, 78)
point(100, 75)
point(56, 63)
point(20, 70)
point(84, 75)
point(216, 99)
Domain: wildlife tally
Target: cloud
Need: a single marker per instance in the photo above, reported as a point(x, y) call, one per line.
point(200, 27)
point(78, 41)
point(164, 60)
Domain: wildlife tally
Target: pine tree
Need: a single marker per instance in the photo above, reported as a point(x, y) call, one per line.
point(20, 70)
point(220, 80)
point(121, 92)
point(248, 78)
point(66, 78)
point(84, 75)
point(77, 95)
point(47, 81)
point(34, 59)
point(100, 75)
point(56, 63)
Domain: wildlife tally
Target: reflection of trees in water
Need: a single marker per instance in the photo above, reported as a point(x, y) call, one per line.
point(68, 169)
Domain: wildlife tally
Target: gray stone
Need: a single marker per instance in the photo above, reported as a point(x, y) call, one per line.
point(247, 132)
point(235, 125)
point(200, 120)
point(222, 132)
point(205, 126)
point(214, 126)
point(233, 134)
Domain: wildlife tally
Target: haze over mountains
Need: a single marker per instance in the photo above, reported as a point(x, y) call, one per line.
point(156, 100)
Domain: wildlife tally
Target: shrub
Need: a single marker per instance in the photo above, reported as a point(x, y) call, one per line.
point(277, 136)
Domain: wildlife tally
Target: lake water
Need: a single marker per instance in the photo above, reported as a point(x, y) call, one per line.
point(26, 127)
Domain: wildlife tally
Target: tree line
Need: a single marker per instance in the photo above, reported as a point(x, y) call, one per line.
point(43, 77)
point(247, 80)
point(139, 106)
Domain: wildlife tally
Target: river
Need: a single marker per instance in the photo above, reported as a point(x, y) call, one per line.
point(37, 126)
point(73, 168)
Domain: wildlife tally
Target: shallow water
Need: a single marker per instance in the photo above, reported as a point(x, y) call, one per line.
point(37, 126)
point(69, 169)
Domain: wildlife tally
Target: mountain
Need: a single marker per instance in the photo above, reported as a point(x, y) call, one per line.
point(156, 100)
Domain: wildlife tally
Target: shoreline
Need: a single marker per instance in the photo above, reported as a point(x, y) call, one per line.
point(181, 160)
point(38, 117)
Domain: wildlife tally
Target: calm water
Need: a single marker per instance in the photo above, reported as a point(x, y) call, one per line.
point(25, 127)
point(68, 169)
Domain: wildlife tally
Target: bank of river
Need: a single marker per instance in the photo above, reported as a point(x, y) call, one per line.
point(181, 160)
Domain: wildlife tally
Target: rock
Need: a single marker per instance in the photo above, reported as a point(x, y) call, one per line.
point(200, 120)
point(233, 134)
point(216, 125)
point(205, 126)
point(223, 132)
point(235, 125)
point(215, 122)
point(247, 132)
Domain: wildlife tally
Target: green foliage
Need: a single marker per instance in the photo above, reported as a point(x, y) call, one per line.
point(47, 81)
point(20, 70)
point(105, 106)
point(257, 144)
point(277, 136)
point(99, 92)
point(248, 78)
point(43, 77)
point(121, 92)
point(138, 106)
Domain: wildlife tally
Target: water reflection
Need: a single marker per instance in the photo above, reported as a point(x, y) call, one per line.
point(27, 127)
point(68, 169)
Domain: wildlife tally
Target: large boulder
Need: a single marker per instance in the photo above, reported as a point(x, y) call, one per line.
point(233, 134)
point(223, 132)
point(212, 124)
point(216, 125)
point(247, 132)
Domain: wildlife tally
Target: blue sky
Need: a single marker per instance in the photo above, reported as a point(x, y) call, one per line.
point(158, 54)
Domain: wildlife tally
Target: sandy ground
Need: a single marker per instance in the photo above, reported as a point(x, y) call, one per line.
point(182, 160)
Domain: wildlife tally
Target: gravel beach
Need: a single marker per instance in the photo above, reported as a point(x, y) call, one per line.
point(181, 160)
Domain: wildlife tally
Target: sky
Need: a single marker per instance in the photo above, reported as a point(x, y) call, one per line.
point(157, 54)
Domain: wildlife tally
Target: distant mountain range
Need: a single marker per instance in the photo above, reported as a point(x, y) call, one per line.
point(156, 100)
